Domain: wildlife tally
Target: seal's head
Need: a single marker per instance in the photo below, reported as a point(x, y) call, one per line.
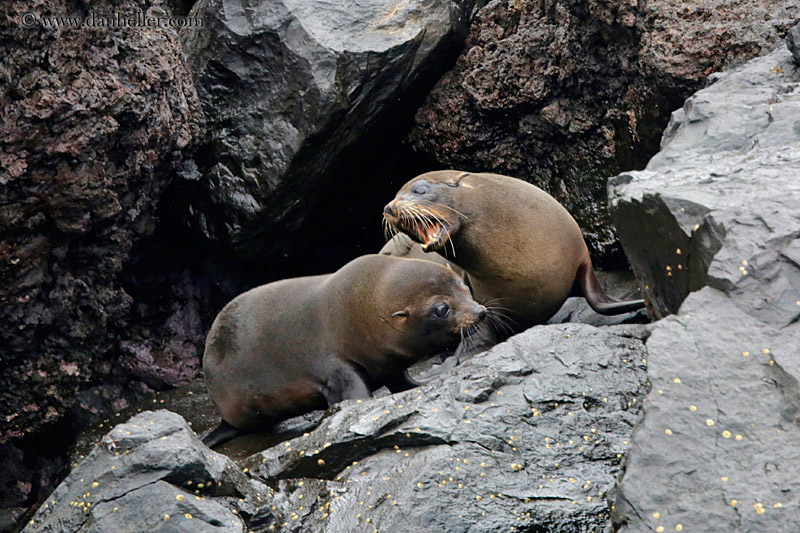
point(428, 306)
point(427, 208)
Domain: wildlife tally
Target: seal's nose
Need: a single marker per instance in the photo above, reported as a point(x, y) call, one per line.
point(388, 209)
point(481, 313)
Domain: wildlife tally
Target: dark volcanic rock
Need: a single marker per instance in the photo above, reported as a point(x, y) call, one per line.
point(286, 87)
point(718, 205)
point(92, 125)
point(718, 447)
point(529, 434)
point(150, 474)
point(565, 93)
point(92, 122)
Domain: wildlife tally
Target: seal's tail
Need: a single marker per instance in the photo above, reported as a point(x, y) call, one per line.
point(587, 286)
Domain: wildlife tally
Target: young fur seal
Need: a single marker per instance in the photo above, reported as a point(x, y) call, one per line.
point(292, 346)
point(521, 250)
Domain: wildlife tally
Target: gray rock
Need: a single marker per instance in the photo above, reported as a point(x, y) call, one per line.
point(149, 474)
point(287, 85)
point(529, 434)
point(717, 449)
point(718, 205)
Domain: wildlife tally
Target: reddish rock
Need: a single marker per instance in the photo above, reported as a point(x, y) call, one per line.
point(92, 121)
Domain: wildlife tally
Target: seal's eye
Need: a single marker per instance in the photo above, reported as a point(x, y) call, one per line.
point(441, 310)
point(421, 189)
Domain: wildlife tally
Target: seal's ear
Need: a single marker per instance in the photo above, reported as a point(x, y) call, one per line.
point(468, 180)
point(401, 314)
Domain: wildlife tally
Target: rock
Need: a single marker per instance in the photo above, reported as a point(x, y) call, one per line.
point(566, 94)
point(793, 40)
point(149, 473)
point(93, 122)
point(717, 447)
point(286, 87)
point(716, 241)
point(15, 487)
point(718, 205)
point(92, 126)
point(531, 432)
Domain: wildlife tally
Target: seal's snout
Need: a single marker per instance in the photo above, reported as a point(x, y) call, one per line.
point(388, 209)
point(480, 313)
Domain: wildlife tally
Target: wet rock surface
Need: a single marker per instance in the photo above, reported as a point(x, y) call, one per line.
point(531, 432)
point(150, 474)
point(565, 94)
point(717, 206)
point(76, 200)
point(717, 446)
point(286, 87)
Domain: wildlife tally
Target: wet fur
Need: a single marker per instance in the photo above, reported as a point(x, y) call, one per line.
point(296, 345)
point(522, 251)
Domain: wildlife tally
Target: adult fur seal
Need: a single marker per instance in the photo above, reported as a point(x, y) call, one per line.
point(296, 345)
point(521, 250)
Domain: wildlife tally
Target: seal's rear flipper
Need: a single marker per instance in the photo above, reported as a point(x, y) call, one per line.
point(586, 285)
point(402, 382)
point(223, 433)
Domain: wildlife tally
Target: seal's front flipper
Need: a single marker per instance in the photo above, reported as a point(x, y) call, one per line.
point(587, 285)
point(223, 433)
point(401, 383)
point(344, 383)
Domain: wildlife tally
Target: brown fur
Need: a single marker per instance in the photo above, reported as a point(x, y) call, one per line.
point(296, 345)
point(521, 249)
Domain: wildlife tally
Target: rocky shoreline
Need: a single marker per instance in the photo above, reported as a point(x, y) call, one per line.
point(148, 176)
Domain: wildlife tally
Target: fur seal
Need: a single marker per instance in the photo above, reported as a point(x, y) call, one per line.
point(297, 345)
point(522, 252)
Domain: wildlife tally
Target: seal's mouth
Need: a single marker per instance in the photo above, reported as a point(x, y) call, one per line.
point(432, 235)
point(431, 231)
